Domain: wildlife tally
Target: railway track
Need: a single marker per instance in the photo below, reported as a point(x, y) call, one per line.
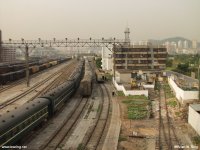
point(55, 141)
point(93, 141)
point(15, 83)
point(57, 78)
point(167, 137)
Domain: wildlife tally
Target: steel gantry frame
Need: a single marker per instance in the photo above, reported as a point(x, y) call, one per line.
point(64, 43)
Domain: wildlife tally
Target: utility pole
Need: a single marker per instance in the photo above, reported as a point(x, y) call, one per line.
point(27, 65)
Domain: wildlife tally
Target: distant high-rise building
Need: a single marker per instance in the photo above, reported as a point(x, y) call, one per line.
point(194, 44)
point(186, 44)
point(180, 44)
point(173, 45)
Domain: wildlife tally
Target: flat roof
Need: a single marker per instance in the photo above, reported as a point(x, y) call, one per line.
point(196, 107)
point(131, 71)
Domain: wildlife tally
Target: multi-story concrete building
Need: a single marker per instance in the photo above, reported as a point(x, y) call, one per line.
point(194, 44)
point(7, 54)
point(140, 57)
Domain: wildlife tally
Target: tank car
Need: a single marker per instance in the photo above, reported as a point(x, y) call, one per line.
point(34, 69)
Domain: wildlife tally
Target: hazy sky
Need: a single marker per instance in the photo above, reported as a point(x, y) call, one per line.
point(146, 19)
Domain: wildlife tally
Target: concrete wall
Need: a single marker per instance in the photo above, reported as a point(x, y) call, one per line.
point(194, 119)
point(149, 86)
point(107, 61)
point(125, 77)
point(130, 92)
point(182, 95)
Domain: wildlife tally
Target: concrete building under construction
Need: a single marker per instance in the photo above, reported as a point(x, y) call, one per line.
point(7, 54)
point(139, 57)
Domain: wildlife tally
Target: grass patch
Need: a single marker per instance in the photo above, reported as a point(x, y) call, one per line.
point(137, 109)
point(177, 114)
point(169, 95)
point(121, 138)
point(80, 147)
point(120, 93)
point(99, 108)
point(196, 140)
point(137, 97)
point(172, 103)
point(168, 92)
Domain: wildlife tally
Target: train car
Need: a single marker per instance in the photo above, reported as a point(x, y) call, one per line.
point(77, 74)
point(17, 67)
point(4, 68)
point(19, 74)
point(59, 95)
point(53, 63)
point(20, 121)
point(44, 66)
point(87, 81)
point(15, 124)
point(47, 65)
point(34, 69)
point(100, 76)
point(7, 77)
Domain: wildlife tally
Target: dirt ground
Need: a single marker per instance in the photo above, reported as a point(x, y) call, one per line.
point(147, 129)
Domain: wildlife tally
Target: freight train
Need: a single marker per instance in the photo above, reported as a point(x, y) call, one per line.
point(19, 71)
point(87, 81)
point(19, 122)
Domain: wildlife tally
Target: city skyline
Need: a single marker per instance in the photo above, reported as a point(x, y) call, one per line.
point(146, 19)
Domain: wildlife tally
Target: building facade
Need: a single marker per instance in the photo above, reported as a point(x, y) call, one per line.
point(140, 57)
point(194, 44)
point(7, 54)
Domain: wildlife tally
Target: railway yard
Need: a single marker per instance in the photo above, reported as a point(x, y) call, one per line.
point(65, 108)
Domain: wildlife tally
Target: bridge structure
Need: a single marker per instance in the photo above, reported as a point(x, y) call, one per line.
point(110, 43)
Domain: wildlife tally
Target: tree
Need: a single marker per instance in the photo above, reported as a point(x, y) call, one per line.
point(169, 62)
point(98, 62)
point(183, 67)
